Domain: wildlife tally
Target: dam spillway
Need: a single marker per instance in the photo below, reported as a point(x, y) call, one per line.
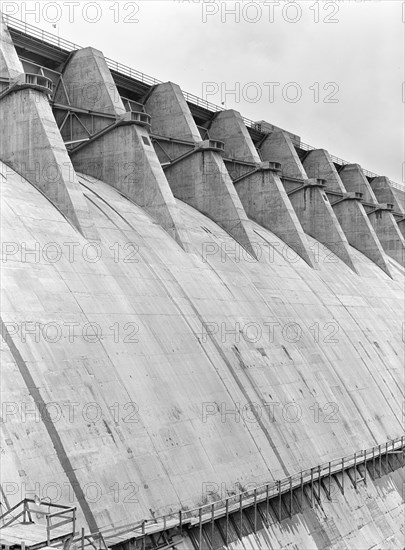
point(202, 318)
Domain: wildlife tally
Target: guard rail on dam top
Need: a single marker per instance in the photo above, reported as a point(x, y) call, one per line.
point(62, 44)
point(210, 512)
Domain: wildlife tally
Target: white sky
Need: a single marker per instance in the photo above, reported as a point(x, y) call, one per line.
point(362, 52)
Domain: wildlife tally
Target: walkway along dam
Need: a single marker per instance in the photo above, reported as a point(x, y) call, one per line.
point(202, 320)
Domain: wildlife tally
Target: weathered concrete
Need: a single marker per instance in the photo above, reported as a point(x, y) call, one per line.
point(124, 158)
point(261, 192)
point(278, 147)
point(88, 84)
point(318, 219)
point(171, 116)
point(192, 337)
point(200, 179)
point(320, 520)
point(318, 164)
point(385, 193)
point(309, 201)
point(10, 64)
point(266, 202)
point(349, 211)
point(359, 230)
point(31, 144)
point(228, 126)
point(389, 234)
point(355, 181)
point(382, 221)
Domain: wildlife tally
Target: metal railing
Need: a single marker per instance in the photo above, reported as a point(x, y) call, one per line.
point(44, 36)
point(68, 46)
point(237, 503)
point(341, 162)
point(66, 513)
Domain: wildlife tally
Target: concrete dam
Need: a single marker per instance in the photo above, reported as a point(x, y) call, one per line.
point(202, 320)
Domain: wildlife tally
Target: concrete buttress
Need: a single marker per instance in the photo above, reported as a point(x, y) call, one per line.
point(347, 207)
point(200, 177)
point(307, 196)
point(120, 151)
point(30, 141)
point(260, 189)
point(380, 215)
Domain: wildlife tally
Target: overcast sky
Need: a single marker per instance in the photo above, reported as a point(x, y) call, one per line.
point(331, 72)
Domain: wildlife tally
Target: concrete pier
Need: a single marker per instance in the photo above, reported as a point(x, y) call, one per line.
point(318, 164)
point(359, 230)
point(278, 147)
point(87, 84)
point(307, 196)
point(199, 177)
point(197, 400)
point(124, 158)
point(120, 151)
point(355, 181)
point(30, 141)
point(347, 207)
point(266, 202)
point(318, 219)
point(380, 215)
point(385, 193)
point(258, 184)
point(229, 127)
point(389, 232)
point(10, 64)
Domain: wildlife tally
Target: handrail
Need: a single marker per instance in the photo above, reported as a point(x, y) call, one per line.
point(68, 46)
point(27, 510)
point(261, 493)
point(341, 162)
point(44, 36)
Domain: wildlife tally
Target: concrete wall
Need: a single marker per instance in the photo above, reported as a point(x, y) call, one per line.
point(318, 164)
point(385, 193)
point(31, 144)
point(266, 202)
point(125, 158)
point(228, 126)
point(10, 65)
point(376, 508)
point(185, 343)
point(88, 83)
point(201, 179)
point(278, 147)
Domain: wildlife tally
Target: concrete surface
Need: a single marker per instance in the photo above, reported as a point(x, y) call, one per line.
point(10, 65)
point(201, 344)
point(376, 509)
point(354, 180)
point(319, 165)
point(125, 158)
point(89, 84)
point(138, 379)
point(359, 231)
point(382, 221)
point(349, 211)
point(30, 142)
point(228, 126)
point(201, 180)
point(389, 234)
point(385, 193)
point(278, 147)
point(266, 202)
point(318, 219)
